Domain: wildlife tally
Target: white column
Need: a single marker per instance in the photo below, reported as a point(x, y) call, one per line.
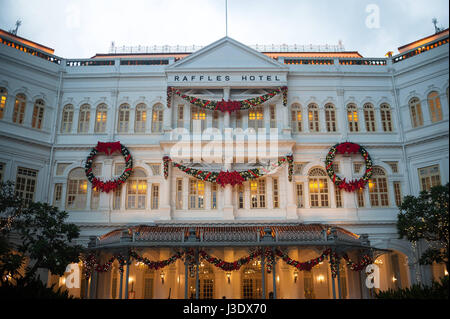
point(291, 207)
point(287, 129)
point(104, 200)
point(342, 114)
point(228, 210)
point(269, 192)
point(165, 192)
point(76, 114)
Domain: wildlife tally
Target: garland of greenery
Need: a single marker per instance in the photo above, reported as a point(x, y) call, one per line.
point(108, 149)
point(156, 264)
point(228, 106)
point(350, 148)
point(233, 178)
point(308, 265)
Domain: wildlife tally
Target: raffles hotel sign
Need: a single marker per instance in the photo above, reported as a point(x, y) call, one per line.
point(227, 79)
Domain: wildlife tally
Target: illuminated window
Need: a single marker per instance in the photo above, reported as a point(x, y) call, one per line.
point(67, 119)
point(196, 194)
point(360, 197)
point(415, 110)
point(313, 118)
point(251, 281)
point(241, 196)
point(3, 97)
point(299, 194)
point(140, 118)
point(338, 197)
point(352, 115)
point(256, 118)
point(155, 196)
point(213, 196)
point(19, 108)
point(137, 190)
point(386, 117)
point(180, 116)
point(398, 193)
point(276, 198)
point(84, 118)
point(149, 275)
point(434, 103)
point(26, 181)
point(100, 118)
point(179, 197)
point(76, 190)
point(378, 188)
point(273, 116)
point(124, 118)
point(38, 114)
point(198, 114)
point(157, 118)
point(296, 118)
point(318, 188)
point(369, 117)
point(330, 118)
point(215, 119)
point(258, 193)
point(429, 177)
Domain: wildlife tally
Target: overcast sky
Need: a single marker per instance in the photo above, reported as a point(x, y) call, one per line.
point(82, 28)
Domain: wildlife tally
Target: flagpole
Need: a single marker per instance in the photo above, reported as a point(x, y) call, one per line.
point(226, 18)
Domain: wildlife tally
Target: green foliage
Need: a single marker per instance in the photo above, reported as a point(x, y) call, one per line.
point(426, 217)
point(43, 234)
point(30, 288)
point(438, 290)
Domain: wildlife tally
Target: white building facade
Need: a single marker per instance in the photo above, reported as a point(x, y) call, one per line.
point(53, 111)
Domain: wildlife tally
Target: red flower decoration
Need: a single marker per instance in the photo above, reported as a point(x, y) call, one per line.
point(350, 148)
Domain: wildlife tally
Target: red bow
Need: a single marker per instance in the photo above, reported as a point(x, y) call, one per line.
point(231, 178)
point(228, 106)
point(347, 147)
point(108, 148)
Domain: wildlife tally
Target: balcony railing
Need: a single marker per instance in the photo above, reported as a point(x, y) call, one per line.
point(31, 51)
point(362, 61)
point(420, 50)
point(145, 62)
point(314, 61)
point(89, 62)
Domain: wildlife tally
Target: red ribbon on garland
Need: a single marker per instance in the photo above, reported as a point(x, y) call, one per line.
point(228, 106)
point(347, 147)
point(231, 178)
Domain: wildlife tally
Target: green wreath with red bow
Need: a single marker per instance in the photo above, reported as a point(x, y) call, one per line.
point(108, 149)
point(348, 148)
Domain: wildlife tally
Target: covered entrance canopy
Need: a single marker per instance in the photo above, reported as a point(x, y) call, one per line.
point(266, 242)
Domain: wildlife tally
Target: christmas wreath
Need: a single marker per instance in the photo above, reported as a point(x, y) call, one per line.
point(349, 148)
point(108, 149)
point(228, 106)
point(232, 178)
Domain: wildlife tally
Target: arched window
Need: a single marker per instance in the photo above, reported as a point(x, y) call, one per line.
point(313, 118)
point(19, 108)
point(318, 188)
point(38, 114)
point(3, 97)
point(352, 115)
point(140, 118)
point(198, 114)
point(296, 118)
point(386, 117)
point(157, 118)
point(369, 117)
point(206, 282)
point(100, 118)
point(137, 190)
point(256, 118)
point(258, 193)
point(434, 104)
point(196, 194)
point(124, 118)
point(415, 110)
point(84, 118)
point(67, 119)
point(378, 188)
point(330, 118)
point(76, 190)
